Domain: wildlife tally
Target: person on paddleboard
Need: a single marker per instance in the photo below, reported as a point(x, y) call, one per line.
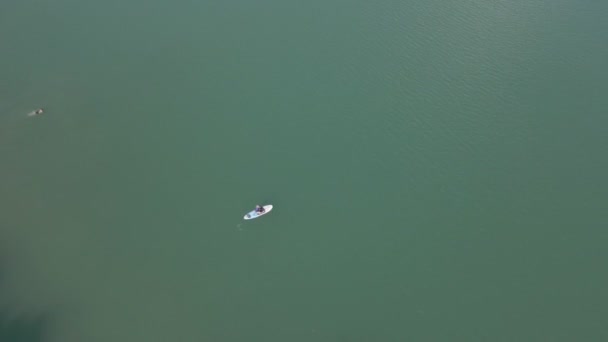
point(259, 209)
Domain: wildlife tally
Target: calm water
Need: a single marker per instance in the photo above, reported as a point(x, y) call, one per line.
point(438, 170)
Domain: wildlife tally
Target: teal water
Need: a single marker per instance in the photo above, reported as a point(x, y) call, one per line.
point(437, 170)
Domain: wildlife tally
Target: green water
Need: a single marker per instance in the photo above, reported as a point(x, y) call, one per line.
point(438, 170)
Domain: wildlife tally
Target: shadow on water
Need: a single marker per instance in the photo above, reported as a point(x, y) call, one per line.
point(22, 328)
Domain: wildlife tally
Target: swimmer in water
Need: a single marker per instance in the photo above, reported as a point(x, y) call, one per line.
point(36, 112)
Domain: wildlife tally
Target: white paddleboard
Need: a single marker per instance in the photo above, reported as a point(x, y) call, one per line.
point(252, 214)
